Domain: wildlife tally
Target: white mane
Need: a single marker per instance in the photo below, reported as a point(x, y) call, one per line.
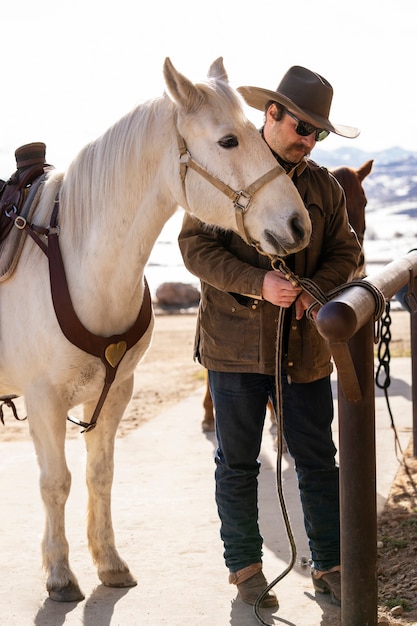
point(115, 165)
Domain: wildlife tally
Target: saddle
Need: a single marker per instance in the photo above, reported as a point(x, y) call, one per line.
point(17, 203)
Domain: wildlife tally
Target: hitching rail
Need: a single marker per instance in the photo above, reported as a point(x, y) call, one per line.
point(347, 323)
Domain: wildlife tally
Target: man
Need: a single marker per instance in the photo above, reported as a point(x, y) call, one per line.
point(236, 342)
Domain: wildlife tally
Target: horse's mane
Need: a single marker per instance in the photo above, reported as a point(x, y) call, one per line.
point(230, 97)
point(101, 171)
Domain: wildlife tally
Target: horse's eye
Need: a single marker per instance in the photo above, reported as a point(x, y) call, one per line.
point(230, 141)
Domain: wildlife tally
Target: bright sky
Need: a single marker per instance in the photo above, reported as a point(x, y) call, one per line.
point(71, 68)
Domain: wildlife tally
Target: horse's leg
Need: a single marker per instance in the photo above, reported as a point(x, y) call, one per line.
point(271, 410)
point(208, 421)
point(112, 570)
point(47, 422)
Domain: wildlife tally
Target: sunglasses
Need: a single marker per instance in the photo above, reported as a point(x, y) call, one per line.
point(304, 129)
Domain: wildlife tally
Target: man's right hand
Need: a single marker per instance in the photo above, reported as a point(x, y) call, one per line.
point(278, 290)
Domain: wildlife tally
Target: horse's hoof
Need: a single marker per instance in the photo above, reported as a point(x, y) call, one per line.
point(69, 593)
point(118, 579)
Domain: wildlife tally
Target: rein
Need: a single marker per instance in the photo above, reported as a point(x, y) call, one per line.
point(241, 199)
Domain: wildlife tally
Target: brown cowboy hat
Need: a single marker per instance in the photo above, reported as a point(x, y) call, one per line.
point(307, 94)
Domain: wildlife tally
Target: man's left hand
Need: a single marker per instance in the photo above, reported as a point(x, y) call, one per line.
point(302, 303)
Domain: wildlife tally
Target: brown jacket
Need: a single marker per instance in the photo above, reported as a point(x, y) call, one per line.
point(237, 333)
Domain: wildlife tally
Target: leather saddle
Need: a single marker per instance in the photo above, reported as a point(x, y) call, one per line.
point(16, 200)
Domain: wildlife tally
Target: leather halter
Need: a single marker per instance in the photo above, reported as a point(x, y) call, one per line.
point(241, 199)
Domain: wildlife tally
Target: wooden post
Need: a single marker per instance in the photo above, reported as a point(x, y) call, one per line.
point(347, 323)
point(358, 525)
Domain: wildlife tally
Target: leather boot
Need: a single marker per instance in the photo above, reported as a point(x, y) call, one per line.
point(328, 582)
point(250, 583)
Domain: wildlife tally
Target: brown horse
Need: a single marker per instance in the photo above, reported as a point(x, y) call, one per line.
point(351, 180)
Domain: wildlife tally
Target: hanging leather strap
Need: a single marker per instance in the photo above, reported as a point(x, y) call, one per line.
point(110, 350)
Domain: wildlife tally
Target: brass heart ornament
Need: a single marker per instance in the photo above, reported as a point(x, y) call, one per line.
point(115, 352)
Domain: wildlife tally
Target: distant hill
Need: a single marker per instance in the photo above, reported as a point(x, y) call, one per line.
point(393, 179)
point(355, 157)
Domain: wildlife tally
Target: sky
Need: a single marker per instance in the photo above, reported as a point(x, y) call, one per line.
point(71, 68)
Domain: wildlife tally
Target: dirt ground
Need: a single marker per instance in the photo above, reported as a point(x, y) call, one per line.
point(167, 375)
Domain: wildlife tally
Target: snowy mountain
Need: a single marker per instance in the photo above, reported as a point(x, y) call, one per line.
point(394, 173)
point(391, 189)
point(355, 157)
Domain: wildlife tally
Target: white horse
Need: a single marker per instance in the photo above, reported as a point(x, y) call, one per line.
point(113, 202)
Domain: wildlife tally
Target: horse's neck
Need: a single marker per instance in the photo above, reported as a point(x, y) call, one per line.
point(111, 259)
point(108, 241)
point(115, 199)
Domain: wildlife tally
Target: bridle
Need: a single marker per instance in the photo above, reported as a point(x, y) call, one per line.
point(241, 199)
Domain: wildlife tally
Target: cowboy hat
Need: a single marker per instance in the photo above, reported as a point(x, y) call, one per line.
point(306, 94)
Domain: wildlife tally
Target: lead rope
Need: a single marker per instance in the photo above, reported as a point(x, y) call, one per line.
point(319, 299)
point(280, 491)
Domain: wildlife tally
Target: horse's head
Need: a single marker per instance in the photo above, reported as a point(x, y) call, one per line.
point(351, 180)
point(230, 178)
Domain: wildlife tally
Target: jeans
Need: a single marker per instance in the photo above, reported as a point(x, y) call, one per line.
point(240, 402)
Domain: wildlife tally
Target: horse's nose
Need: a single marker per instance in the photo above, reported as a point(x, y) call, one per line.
point(299, 228)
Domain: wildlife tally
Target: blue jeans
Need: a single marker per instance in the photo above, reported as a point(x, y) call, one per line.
point(240, 402)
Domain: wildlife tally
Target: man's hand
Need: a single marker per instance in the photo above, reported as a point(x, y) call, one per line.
point(302, 304)
point(278, 290)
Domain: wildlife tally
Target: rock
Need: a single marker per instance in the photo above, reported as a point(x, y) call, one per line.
point(177, 295)
point(397, 611)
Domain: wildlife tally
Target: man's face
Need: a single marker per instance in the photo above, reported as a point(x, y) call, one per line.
point(281, 136)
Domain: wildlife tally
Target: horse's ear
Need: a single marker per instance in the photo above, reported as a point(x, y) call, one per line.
point(364, 170)
point(218, 71)
point(181, 90)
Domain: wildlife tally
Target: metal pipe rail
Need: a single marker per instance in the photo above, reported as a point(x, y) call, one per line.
point(347, 324)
